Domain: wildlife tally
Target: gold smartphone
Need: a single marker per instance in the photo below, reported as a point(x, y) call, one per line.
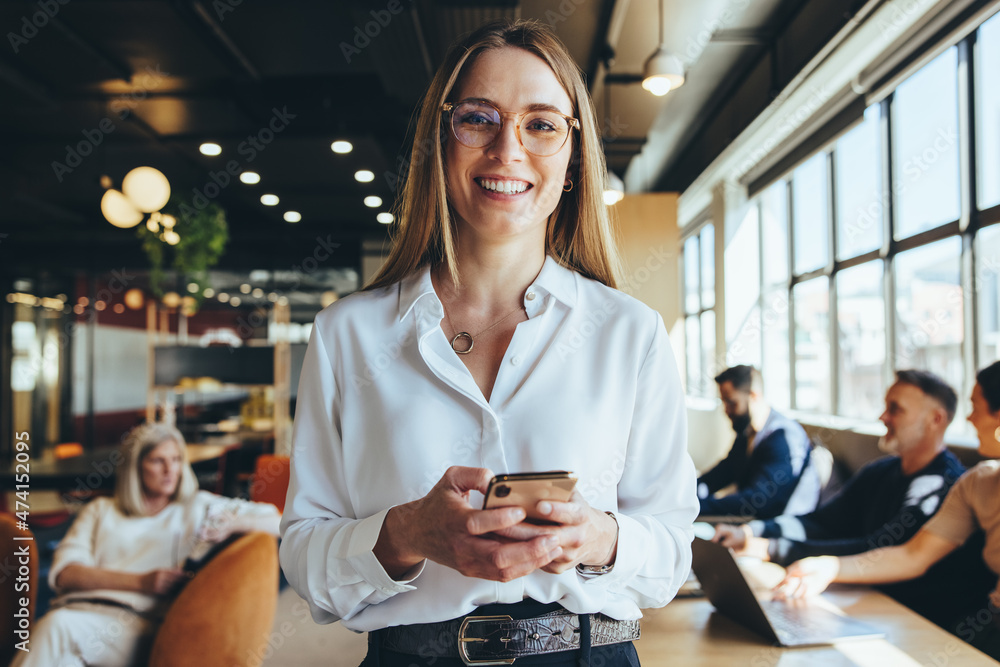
point(526, 489)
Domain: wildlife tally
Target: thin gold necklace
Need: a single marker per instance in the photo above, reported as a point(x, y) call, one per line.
point(472, 337)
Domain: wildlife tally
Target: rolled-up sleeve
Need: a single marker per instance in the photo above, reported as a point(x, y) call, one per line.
point(326, 550)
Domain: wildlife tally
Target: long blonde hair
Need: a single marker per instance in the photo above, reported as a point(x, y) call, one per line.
point(579, 232)
point(136, 444)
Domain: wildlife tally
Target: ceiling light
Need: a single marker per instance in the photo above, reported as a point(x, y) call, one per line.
point(292, 216)
point(209, 148)
point(614, 191)
point(342, 147)
point(250, 177)
point(663, 70)
point(384, 218)
point(364, 176)
point(372, 201)
point(269, 200)
point(118, 210)
point(147, 187)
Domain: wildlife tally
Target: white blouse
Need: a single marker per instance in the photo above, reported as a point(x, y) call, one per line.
point(101, 536)
point(385, 406)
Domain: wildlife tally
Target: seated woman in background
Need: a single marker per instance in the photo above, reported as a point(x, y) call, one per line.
point(970, 506)
point(121, 560)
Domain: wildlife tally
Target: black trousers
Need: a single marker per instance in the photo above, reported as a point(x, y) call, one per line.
point(614, 655)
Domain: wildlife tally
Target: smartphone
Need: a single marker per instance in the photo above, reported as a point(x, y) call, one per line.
point(526, 489)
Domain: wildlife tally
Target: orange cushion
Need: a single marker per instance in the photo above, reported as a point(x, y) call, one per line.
point(11, 589)
point(224, 615)
point(270, 480)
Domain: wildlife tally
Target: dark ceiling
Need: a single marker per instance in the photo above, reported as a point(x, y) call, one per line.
point(97, 87)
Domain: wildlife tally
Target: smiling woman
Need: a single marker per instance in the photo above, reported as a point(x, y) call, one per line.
point(404, 416)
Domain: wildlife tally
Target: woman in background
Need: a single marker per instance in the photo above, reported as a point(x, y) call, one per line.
point(116, 569)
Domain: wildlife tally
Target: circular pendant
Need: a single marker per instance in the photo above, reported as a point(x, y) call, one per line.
point(462, 335)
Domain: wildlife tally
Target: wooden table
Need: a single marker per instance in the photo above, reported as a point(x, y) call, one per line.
point(689, 632)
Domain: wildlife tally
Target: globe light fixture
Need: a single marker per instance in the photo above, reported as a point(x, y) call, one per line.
point(147, 187)
point(119, 209)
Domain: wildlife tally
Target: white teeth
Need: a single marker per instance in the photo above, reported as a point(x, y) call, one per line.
point(503, 187)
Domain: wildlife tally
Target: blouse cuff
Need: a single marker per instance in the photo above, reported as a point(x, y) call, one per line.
point(628, 559)
point(361, 556)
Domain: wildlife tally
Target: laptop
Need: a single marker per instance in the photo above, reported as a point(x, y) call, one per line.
point(786, 623)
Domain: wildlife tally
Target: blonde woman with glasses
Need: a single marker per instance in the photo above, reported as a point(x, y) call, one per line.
point(120, 563)
point(492, 341)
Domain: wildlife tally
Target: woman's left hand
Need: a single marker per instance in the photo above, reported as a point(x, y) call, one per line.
point(586, 535)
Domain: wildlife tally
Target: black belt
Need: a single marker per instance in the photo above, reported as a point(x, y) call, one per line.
point(500, 640)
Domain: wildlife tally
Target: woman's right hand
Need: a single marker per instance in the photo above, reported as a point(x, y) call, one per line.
point(162, 581)
point(734, 537)
point(443, 527)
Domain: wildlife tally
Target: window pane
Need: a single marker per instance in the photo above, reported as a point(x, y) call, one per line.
point(925, 160)
point(692, 337)
point(774, 233)
point(988, 113)
point(742, 276)
point(775, 365)
point(812, 345)
point(987, 274)
point(691, 275)
point(861, 337)
point(708, 266)
point(809, 214)
point(929, 326)
point(745, 347)
point(709, 362)
point(859, 191)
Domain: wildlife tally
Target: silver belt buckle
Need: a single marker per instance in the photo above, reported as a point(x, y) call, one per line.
point(463, 640)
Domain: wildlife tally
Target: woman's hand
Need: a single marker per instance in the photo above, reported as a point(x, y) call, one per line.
point(586, 535)
point(807, 577)
point(443, 527)
point(162, 581)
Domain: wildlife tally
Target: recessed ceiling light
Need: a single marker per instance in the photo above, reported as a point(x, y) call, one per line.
point(269, 200)
point(364, 176)
point(210, 149)
point(384, 218)
point(341, 146)
point(372, 201)
point(292, 216)
point(250, 177)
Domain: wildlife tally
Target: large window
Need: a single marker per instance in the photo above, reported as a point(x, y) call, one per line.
point(902, 275)
point(699, 313)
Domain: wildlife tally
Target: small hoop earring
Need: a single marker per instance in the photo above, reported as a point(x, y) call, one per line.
point(996, 434)
point(567, 189)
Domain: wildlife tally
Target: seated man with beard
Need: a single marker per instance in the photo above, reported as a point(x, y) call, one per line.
point(767, 460)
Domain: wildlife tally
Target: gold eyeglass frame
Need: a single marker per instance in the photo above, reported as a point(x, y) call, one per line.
point(448, 107)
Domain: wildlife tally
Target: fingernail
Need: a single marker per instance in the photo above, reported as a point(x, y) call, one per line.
point(544, 507)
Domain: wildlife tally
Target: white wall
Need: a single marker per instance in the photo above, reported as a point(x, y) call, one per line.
point(120, 373)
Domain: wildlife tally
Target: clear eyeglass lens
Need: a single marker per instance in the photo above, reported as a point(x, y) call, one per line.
point(475, 125)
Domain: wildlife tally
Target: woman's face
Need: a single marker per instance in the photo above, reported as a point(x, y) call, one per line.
point(161, 470)
point(513, 80)
point(986, 423)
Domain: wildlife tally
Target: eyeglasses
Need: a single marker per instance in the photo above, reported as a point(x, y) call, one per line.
point(477, 124)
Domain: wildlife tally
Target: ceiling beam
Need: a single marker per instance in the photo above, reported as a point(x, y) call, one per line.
point(223, 38)
point(120, 68)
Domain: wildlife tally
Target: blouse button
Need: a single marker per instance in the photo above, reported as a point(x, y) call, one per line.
point(530, 296)
point(515, 360)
